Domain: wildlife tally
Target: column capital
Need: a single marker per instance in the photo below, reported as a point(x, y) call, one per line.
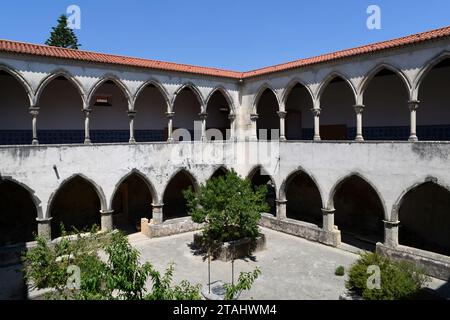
point(157, 205)
point(282, 114)
point(316, 111)
point(328, 211)
point(87, 111)
point(34, 110)
point(203, 115)
point(170, 115)
point(278, 201)
point(391, 223)
point(44, 220)
point(231, 116)
point(413, 105)
point(359, 108)
point(106, 212)
point(131, 113)
point(254, 116)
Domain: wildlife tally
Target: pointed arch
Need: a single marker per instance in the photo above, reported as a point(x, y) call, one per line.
point(158, 86)
point(148, 183)
point(191, 177)
point(421, 76)
point(329, 78)
point(219, 171)
point(265, 86)
point(117, 81)
point(34, 197)
point(192, 87)
point(225, 94)
point(291, 85)
point(258, 179)
point(56, 74)
point(291, 176)
point(376, 70)
point(19, 78)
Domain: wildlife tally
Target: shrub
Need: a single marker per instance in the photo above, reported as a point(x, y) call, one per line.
point(229, 206)
point(399, 280)
point(245, 282)
point(340, 271)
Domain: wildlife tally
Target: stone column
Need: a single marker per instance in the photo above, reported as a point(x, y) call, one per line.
point(316, 113)
point(34, 111)
point(281, 209)
point(254, 127)
point(203, 116)
point(328, 219)
point(413, 106)
point(391, 233)
point(359, 108)
point(170, 116)
point(45, 227)
point(232, 118)
point(107, 220)
point(131, 115)
point(157, 213)
point(87, 135)
point(282, 115)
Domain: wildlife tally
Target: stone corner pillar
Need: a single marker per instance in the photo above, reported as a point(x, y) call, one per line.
point(359, 108)
point(44, 226)
point(254, 134)
point(203, 116)
point(106, 220)
point(131, 116)
point(328, 220)
point(170, 116)
point(157, 213)
point(413, 106)
point(282, 115)
point(281, 209)
point(316, 113)
point(87, 134)
point(34, 111)
point(391, 233)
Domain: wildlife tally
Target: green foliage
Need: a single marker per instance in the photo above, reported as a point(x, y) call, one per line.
point(340, 271)
point(245, 282)
point(399, 280)
point(229, 206)
point(62, 35)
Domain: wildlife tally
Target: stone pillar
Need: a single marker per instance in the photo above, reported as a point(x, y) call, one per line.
point(203, 116)
point(282, 115)
point(413, 106)
point(316, 113)
point(170, 116)
point(34, 111)
point(281, 209)
point(131, 115)
point(359, 108)
point(254, 127)
point(87, 135)
point(232, 118)
point(391, 233)
point(107, 220)
point(45, 227)
point(157, 213)
point(328, 219)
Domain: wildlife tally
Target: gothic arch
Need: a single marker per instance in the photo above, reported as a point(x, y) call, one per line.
point(291, 85)
point(291, 176)
point(426, 70)
point(117, 81)
point(225, 94)
point(265, 86)
point(333, 75)
point(158, 86)
point(32, 193)
point(196, 92)
point(16, 75)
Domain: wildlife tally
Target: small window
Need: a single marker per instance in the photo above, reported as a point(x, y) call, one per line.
point(103, 101)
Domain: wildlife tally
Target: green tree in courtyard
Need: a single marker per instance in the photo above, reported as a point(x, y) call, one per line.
point(63, 36)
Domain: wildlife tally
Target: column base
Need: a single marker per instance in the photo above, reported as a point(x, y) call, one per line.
point(87, 141)
point(45, 228)
point(283, 138)
point(317, 138)
point(170, 140)
point(359, 139)
point(35, 142)
point(413, 138)
point(132, 140)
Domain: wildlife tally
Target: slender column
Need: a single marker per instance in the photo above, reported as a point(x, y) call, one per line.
point(413, 106)
point(254, 127)
point(282, 115)
point(281, 209)
point(316, 113)
point(170, 116)
point(107, 220)
point(34, 111)
point(87, 135)
point(391, 233)
point(157, 213)
point(359, 108)
point(45, 227)
point(328, 219)
point(232, 118)
point(203, 116)
point(131, 115)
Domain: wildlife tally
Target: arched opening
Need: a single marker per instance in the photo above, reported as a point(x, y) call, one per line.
point(433, 115)
point(17, 214)
point(132, 201)
point(299, 118)
point(386, 113)
point(174, 202)
point(61, 119)
point(268, 119)
point(337, 118)
point(15, 119)
point(304, 202)
point(220, 172)
point(75, 205)
point(359, 213)
point(218, 110)
point(150, 123)
point(258, 178)
point(425, 219)
point(187, 108)
point(109, 119)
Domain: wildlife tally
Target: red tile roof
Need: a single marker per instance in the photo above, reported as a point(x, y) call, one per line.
point(55, 52)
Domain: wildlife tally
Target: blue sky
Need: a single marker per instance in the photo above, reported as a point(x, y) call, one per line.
point(233, 34)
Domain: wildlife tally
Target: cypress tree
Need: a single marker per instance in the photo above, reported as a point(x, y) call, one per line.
point(62, 35)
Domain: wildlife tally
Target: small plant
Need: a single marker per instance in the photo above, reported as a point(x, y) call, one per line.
point(398, 280)
point(245, 282)
point(340, 271)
